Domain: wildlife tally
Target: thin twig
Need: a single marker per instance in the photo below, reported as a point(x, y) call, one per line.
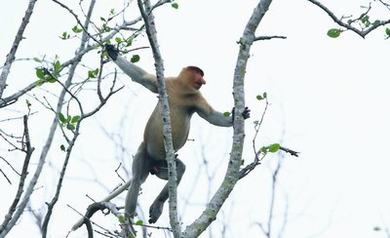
point(362, 33)
point(6, 177)
point(273, 198)
point(10, 165)
point(269, 37)
point(50, 206)
point(85, 29)
point(289, 151)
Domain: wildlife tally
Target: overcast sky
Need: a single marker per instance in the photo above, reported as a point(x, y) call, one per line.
point(329, 100)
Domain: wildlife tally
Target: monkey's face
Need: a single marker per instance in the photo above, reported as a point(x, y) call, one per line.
point(198, 81)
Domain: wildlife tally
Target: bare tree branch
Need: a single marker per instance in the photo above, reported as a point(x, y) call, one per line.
point(11, 55)
point(28, 150)
point(76, 133)
point(232, 174)
point(14, 97)
point(167, 130)
point(269, 37)
point(49, 140)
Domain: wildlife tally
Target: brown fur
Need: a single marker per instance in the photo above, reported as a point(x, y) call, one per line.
point(184, 100)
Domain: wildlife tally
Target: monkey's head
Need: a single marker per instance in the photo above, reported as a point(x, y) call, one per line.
point(193, 76)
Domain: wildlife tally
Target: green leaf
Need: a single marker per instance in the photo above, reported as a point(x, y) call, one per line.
point(334, 33)
point(103, 19)
point(139, 223)
point(62, 147)
point(37, 60)
point(387, 31)
point(175, 5)
point(75, 29)
point(135, 58)
point(226, 114)
point(365, 20)
point(40, 82)
point(376, 23)
point(51, 79)
point(75, 119)
point(65, 35)
point(106, 28)
point(265, 95)
point(259, 97)
point(129, 41)
point(57, 67)
point(264, 149)
point(118, 40)
point(121, 219)
point(69, 118)
point(62, 118)
point(40, 72)
point(273, 148)
point(93, 73)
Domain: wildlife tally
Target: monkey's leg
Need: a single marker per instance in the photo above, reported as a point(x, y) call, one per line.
point(140, 168)
point(156, 208)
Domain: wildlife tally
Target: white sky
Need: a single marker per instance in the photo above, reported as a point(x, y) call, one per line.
point(328, 101)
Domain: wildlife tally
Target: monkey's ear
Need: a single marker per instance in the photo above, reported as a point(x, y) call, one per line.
point(112, 51)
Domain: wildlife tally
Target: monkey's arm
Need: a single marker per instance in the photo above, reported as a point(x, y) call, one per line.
point(212, 116)
point(217, 118)
point(136, 74)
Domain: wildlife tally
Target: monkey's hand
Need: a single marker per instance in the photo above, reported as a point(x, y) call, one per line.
point(112, 51)
point(245, 114)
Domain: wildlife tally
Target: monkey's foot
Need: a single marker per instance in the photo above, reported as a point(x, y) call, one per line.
point(155, 211)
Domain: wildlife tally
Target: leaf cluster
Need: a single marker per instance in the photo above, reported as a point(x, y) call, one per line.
point(76, 30)
point(364, 22)
point(93, 73)
point(272, 148)
point(48, 75)
point(69, 122)
point(262, 97)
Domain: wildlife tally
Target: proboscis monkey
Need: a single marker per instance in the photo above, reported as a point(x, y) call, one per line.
point(184, 100)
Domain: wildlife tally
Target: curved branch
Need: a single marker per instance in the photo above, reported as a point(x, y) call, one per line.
point(361, 33)
point(232, 174)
